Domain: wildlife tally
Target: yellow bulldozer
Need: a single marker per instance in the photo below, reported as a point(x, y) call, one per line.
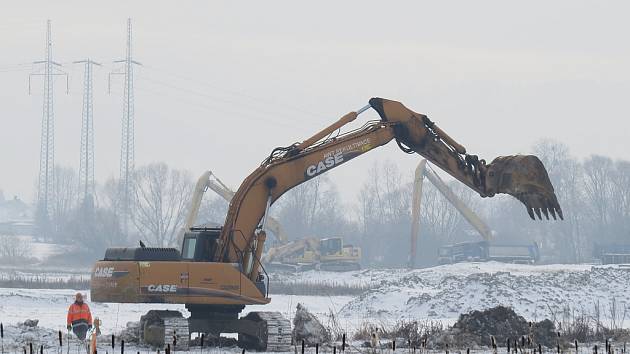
point(218, 271)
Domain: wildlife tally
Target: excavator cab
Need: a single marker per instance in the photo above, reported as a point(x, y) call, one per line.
point(330, 246)
point(200, 244)
point(335, 256)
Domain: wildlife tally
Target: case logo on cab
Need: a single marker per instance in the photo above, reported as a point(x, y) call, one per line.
point(162, 288)
point(104, 272)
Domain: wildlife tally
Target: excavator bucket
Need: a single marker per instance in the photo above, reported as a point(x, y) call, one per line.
point(525, 178)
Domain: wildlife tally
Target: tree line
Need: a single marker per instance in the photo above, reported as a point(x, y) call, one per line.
point(594, 193)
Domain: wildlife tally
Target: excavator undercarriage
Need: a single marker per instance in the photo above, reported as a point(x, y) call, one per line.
point(264, 331)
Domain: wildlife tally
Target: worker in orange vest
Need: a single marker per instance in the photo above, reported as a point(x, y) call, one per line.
point(79, 317)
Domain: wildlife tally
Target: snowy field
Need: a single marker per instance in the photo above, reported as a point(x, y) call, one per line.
point(442, 293)
point(435, 294)
point(50, 306)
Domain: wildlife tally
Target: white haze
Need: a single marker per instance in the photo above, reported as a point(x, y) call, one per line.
point(225, 82)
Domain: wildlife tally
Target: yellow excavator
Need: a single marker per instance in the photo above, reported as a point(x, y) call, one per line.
point(299, 255)
point(218, 270)
point(209, 180)
point(484, 250)
point(329, 254)
point(423, 170)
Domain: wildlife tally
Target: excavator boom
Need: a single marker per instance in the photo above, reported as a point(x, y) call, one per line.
point(523, 177)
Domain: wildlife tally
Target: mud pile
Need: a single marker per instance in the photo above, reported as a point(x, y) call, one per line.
point(503, 324)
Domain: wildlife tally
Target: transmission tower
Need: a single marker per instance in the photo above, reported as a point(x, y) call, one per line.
point(45, 191)
point(127, 149)
point(86, 157)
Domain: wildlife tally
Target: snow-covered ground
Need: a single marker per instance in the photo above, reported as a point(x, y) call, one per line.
point(442, 293)
point(439, 294)
point(50, 307)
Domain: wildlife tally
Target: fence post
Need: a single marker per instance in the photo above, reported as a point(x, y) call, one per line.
point(334, 349)
point(508, 345)
point(316, 348)
point(122, 346)
point(113, 341)
point(41, 349)
point(595, 348)
point(393, 345)
point(343, 343)
point(30, 346)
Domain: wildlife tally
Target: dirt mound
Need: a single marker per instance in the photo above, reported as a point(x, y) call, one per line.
point(30, 323)
point(131, 333)
point(307, 328)
point(503, 323)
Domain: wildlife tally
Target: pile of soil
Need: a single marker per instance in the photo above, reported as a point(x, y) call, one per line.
point(131, 333)
point(503, 323)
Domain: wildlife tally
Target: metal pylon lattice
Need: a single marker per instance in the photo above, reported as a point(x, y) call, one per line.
point(127, 144)
point(46, 180)
point(86, 155)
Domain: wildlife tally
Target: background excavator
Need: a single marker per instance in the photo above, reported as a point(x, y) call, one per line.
point(209, 180)
point(299, 255)
point(218, 271)
point(484, 250)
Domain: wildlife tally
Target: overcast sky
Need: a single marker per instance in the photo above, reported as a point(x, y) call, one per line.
point(222, 83)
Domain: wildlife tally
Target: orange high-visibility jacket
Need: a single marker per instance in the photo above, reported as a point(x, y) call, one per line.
point(79, 314)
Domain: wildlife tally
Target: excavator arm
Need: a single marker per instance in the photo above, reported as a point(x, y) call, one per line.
point(242, 238)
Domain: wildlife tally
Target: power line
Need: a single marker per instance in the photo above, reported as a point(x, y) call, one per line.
point(45, 191)
point(127, 143)
point(228, 112)
point(260, 100)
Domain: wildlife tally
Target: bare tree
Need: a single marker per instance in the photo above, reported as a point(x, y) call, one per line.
point(311, 209)
point(13, 248)
point(384, 215)
point(599, 189)
point(441, 218)
point(566, 174)
point(64, 203)
point(161, 201)
point(621, 200)
point(213, 210)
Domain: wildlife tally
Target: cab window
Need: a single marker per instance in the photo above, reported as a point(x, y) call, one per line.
point(188, 251)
